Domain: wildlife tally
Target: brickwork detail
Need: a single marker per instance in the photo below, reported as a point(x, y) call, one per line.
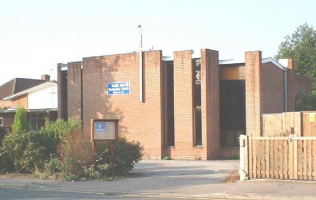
point(253, 93)
point(137, 121)
point(8, 119)
point(21, 101)
point(210, 102)
point(5, 104)
point(291, 85)
point(272, 88)
point(74, 91)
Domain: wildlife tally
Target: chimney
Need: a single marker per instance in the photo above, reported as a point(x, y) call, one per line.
point(45, 77)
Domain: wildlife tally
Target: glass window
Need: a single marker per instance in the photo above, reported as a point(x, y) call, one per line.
point(233, 112)
point(37, 120)
point(1, 121)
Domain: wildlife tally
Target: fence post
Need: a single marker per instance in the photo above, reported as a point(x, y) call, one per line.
point(291, 157)
point(243, 168)
point(295, 160)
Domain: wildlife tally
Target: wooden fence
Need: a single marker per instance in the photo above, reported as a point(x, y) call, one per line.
point(284, 124)
point(278, 157)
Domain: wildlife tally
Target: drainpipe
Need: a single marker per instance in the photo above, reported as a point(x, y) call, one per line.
point(140, 65)
point(285, 89)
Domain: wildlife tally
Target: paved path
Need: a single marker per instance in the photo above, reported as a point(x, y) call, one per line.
point(191, 179)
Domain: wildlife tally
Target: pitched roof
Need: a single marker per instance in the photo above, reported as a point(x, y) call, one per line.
point(17, 85)
point(37, 87)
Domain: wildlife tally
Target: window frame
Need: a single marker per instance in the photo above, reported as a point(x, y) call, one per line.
point(36, 119)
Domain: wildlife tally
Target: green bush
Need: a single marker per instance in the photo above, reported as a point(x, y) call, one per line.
point(126, 155)
point(60, 128)
point(75, 152)
point(3, 133)
point(28, 151)
point(60, 149)
point(20, 120)
point(101, 171)
point(51, 169)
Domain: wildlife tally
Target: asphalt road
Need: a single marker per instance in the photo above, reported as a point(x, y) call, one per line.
point(29, 193)
point(159, 179)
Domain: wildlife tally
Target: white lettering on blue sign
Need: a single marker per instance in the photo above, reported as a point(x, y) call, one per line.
point(119, 88)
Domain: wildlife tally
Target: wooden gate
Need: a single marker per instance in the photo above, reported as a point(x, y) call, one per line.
point(278, 157)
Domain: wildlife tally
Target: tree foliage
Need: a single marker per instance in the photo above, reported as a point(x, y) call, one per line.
point(301, 46)
point(20, 120)
point(306, 102)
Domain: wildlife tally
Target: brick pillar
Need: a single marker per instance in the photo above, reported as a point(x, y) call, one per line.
point(291, 85)
point(74, 82)
point(183, 103)
point(253, 93)
point(210, 102)
point(60, 85)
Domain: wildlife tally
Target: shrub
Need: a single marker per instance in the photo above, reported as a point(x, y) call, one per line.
point(59, 128)
point(29, 151)
point(102, 170)
point(75, 152)
point(3, 132)
point(126, 155)
point(51, 169)
point(20, 120)
point(26, 151)
point(60, 149)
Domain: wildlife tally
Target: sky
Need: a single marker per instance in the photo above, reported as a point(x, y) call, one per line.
point(35, 35)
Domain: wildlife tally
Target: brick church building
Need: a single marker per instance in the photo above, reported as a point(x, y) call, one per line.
point(185, 108)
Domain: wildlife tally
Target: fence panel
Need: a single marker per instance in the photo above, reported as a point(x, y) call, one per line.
point(282, 124)
point(281, 157)
point(272, 124)
point(309, 123)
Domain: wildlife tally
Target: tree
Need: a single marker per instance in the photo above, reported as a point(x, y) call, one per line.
point(20, 120)
point(301, 46)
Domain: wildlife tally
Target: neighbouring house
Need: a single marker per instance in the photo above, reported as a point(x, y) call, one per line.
point(38, 97)
point(185, 108)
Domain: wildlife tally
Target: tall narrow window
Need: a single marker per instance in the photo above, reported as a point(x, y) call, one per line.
point(233, 112)
point(170, 104)
point(1, 121)
point(197, 103)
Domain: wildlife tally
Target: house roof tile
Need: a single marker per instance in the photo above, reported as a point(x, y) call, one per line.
point(17, 85)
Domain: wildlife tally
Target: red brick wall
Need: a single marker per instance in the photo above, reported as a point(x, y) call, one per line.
point(5, 104)
point(74, 91)
point(253, 93)
point(272, 88)
point(8, 119)
point(22, 100)
point(137, 121)
point(291, 85)
point(210, 103)
point(183, 109)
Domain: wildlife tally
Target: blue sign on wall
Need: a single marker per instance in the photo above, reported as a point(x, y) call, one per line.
point(119, 88)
